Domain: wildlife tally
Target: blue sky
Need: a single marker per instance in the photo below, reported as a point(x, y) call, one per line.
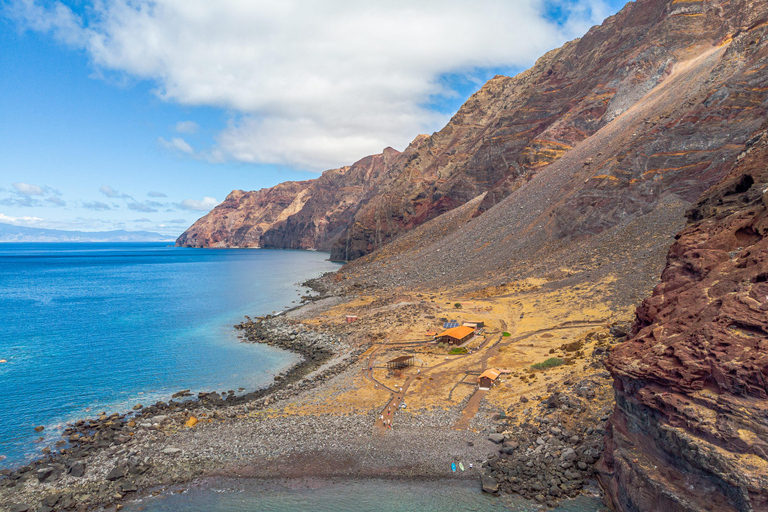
point(144, 115)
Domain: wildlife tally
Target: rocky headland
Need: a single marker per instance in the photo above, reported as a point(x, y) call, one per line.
point(547, 208)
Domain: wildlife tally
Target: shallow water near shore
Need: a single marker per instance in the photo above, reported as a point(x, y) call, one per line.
point(364, 495)
point(101, 327)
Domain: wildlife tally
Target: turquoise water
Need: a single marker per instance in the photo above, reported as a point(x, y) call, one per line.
point(100, 327)
point(346, 496)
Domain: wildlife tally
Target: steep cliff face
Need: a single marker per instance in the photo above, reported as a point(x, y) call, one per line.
point(690, 428)
point(654, 102)
point(308, 214)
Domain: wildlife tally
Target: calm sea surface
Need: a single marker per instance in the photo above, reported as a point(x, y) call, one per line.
point(347, 496)
point(100, 327)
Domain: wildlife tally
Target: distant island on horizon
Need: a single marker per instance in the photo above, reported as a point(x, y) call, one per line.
point(11, 233)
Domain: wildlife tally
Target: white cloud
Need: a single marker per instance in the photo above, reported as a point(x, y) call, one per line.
point(311, 84)
point(21, 221)
point(187, 127)
point(28, 190)
point(176, 144)
point(198, 206)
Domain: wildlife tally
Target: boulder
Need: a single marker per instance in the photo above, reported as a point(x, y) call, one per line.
point(116, 474)
point(77, 469)
point(46, 474)
point(171, 450)
point(20, 507)
point(129, 487)
point(490, 485)
point(496, 438)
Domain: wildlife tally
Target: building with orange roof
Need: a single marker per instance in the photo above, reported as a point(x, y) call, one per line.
point(456, 335)
point(488, 377)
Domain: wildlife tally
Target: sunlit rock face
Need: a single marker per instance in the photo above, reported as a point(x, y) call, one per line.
point(690, 428)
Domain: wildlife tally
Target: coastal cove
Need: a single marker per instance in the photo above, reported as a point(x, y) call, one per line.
point(102, 327)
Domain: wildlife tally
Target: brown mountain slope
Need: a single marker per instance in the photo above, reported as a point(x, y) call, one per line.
point(514, 128)
point(689, 431)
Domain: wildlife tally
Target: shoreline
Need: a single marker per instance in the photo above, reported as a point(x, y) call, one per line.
point(266, 433)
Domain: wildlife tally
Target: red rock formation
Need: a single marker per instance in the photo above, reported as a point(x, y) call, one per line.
point(690, 428)
point(656, 100)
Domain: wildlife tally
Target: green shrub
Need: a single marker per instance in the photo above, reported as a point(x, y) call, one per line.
point(458, 350)
point(549, 363)
point(457, 305)
point(441, 345)
point(506, 334)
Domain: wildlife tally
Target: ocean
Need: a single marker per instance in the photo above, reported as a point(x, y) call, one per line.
point(92, 327)
point(366, 495)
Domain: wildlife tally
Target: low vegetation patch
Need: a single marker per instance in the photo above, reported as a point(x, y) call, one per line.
point(458, 350)
point(506, 334)
point(549, 363)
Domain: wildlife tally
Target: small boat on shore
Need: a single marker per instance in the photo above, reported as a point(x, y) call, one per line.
point(461, 466)
point(453, 467)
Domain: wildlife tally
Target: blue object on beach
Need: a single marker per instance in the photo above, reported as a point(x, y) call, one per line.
point(453, 467)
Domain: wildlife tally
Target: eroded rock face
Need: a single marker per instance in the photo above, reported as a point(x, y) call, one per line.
point(654, 102)
point(690, 428)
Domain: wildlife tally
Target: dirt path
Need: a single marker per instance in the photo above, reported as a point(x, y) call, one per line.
point(470, 409)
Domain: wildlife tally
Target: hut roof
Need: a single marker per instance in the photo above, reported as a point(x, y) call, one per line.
point(491, 373)
point(457, 332)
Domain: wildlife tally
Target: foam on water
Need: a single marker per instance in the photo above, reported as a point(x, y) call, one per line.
point(100, 327)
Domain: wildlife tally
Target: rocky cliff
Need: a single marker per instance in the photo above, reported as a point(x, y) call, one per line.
point(690, 428)
point(651, 103)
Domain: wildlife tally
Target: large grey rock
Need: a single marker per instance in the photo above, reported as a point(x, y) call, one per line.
point(129, 487)
point(496, 438)
point(490, 484)
point(19, 507)
point(46, 474)
point(568, 454)
point(171, 450)
point(77, 469)
point(116, 474)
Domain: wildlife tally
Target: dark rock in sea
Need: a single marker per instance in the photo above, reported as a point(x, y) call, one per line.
point(39, 429)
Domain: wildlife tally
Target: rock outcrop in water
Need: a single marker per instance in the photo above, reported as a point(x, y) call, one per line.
point(653, 103)
point(690, 428)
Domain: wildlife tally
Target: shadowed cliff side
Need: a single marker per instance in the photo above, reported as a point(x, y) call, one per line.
point(690, 428)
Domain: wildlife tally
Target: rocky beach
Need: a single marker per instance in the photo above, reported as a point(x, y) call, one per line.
point(104, 460)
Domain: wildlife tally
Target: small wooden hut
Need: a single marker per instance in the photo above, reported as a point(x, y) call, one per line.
point(488, 378)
